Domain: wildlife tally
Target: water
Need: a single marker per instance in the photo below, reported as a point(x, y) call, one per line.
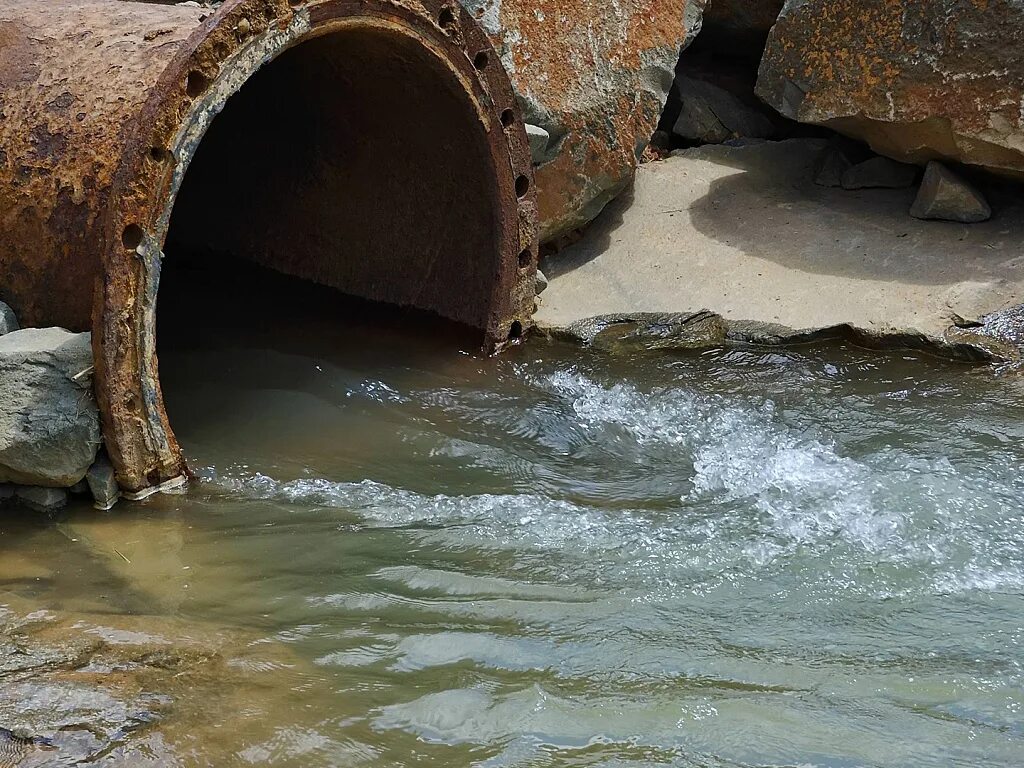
point(402, 554)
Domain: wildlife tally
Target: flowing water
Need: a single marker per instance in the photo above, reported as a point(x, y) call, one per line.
point(405, 554)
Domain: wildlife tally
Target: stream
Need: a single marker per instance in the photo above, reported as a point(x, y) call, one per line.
point(399, 552)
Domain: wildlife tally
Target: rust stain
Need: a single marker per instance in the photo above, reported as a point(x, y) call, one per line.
point(94, 94)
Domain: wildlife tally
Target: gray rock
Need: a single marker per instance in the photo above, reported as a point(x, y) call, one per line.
point(944, 195)
point(49, 426)
point(8, 321)
point(42, 499)
point(880, 172)
point(103, 483)
point(541, 283)
point(539, 139)
point(830, 168)
point(711, 115)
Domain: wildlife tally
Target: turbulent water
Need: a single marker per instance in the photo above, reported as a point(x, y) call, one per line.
point(746, 557)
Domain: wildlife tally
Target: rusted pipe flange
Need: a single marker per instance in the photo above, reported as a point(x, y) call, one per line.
point(103, 105)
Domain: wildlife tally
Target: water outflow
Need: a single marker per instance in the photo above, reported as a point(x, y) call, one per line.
point(566, 558)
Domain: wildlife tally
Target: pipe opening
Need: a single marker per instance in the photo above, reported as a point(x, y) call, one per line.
point(355, 161)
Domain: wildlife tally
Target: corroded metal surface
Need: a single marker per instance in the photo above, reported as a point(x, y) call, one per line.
point(917, 79)
point(103, 105)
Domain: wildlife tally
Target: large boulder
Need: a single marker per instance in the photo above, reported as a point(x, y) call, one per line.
point(595, 77)
point(916, 79)
point(49, 426)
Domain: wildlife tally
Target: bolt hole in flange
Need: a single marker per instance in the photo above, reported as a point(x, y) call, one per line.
point(481, 60)
point(159, 154)
point(446, 19)
point(131, 237)
point(196, 83)
point(515, 331)
point(522, 186)
point(508, 117)
point(525, 259)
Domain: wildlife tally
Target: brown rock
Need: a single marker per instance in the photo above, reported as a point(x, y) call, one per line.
point(917, 79)
point(596, 81)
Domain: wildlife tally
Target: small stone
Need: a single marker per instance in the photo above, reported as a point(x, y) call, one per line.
point(42, 499)
point(831, 165)
point(541, 283)
point(8, 321)
point(947, 197)
point(880, 172)
point(710, 114)
point(539, 139)
point(103, 484)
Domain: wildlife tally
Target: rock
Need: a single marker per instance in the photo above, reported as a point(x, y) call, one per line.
point(596, 80)
point(49, 427)
point(539, 139)
point(879, 173)
point(8, 321)
point(741, 24)
point(693, 234)
point(916, 80)
point(831, 165)
point(541, 283)
point(103, 484)
point(944, 195)
point(42, 499)
point(710, 114)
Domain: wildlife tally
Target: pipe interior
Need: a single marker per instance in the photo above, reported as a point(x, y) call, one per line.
point(353, 160)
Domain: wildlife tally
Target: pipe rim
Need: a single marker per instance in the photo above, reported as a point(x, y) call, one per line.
point(223, 53)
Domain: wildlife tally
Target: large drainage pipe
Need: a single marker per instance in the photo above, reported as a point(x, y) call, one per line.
point(371, 145)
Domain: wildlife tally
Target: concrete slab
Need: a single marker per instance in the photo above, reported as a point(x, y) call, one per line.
point(746, 233)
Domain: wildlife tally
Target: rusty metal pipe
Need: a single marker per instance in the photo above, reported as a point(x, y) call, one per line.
point(371, 145)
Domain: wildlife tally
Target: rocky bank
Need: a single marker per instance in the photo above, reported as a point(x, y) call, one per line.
point(49, 423)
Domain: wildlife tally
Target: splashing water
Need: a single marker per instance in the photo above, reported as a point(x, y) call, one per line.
point(561, 558)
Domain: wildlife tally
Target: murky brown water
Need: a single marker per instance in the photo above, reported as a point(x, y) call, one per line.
point(404, 554)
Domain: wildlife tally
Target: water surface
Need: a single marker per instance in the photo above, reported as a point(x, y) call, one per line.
point(407, 554)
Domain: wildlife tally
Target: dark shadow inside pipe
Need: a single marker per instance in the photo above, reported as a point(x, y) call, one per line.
point(356, 161)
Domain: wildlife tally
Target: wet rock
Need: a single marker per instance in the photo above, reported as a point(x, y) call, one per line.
point(8, 321)
point(879, 173)
point(49, 426)
point(103, 484)
point(42, 499)
point(596, 81)
point(1000, 333)
point(944, 195)
point(830, 168)
point(709, 114)
point(539, 139)
point(915, 80)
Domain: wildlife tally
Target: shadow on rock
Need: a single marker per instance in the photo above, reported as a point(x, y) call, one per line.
point(771, 209)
